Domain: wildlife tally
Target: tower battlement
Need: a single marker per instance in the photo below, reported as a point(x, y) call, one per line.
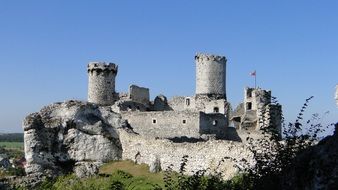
point(200, 57)
point(102, 67)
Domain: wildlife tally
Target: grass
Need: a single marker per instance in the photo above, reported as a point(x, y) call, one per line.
point(134, 169)
point(12, 145)
point(115, 175)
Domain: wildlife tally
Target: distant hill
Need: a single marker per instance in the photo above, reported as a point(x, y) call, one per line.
point(11, 137)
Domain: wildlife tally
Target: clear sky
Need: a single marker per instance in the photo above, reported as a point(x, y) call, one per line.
point(46, 45)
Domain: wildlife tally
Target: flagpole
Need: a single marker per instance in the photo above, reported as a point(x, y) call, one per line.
point(254, 75)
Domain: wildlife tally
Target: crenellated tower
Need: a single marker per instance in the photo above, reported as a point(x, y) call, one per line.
point(210, 75)
point(101, 85)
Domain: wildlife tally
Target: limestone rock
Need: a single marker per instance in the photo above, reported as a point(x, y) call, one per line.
point(86, 169)
point(71, 134)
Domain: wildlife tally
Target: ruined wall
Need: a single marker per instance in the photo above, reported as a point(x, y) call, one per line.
point(271, 115)
point(181, 103)
point(170, 124)
point(101, 84)
point(256, 98)
point(160, 104)
point(139, 94)
point(210, 105)
point(201, 155)
point(210, 75)
point(127, 105)
point(214, 123)
point(164, 124)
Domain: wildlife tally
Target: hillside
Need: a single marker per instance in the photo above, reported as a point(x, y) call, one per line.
point(11, 137)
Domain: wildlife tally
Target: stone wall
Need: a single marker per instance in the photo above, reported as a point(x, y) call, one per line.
point(127, 105)
point(211, 105)
point(201, 155)
point(256, 98)
point(214, 123)
point(171, 124)
point(181, 103)
point(210, 74)
point(271, 115)
point(139, 94)
point(164, 124)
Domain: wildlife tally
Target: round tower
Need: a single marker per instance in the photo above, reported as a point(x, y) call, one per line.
point(101, 83)
point(210, 75)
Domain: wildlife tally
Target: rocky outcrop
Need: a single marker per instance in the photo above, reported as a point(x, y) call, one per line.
point(71, 136)
point(316, 167)
point(78, 137)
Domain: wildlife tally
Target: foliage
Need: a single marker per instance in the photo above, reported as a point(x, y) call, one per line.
point(117, 180)
point(11, 137)
point(275, 157)
point(201, 181)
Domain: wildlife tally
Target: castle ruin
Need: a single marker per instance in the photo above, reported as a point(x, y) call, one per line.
point(203, 115)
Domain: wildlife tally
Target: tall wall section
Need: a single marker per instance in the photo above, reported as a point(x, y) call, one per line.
point(164, 124)
point(171, 124)
point(210, 75)
point(101, 83)
point(207, 155)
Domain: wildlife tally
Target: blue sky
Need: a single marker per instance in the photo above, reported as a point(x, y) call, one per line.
point(46, 45)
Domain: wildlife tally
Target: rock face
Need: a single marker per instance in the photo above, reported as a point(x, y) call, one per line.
point(71, 136)
point(316, 167)
point(79, 137)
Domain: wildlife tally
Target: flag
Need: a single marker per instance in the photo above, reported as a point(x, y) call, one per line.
point(253, 73)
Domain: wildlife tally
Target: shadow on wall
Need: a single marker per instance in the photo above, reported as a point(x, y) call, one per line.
point(185, 139)
point(232, 135)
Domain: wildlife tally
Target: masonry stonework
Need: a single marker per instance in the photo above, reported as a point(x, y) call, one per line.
point(139, 94)
point(210, 75)
point(101, 83)
point(128, 125)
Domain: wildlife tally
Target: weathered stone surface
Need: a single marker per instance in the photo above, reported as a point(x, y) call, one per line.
point(210, 74)
point(208, 155)
point(73, 133)
point(101, 83)
point(86, 169)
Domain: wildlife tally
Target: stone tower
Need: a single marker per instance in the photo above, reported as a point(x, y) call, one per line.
point(210, 75)
point(256, 98)
point(101, 85)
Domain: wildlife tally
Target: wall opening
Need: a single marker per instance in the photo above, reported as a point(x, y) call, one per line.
point(249, 93)
point(216, 110)
point(184, 121)
point(154, 121)
point(187, 101)
point(249, 106)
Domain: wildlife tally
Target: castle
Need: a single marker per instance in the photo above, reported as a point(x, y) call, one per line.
point(205, 114)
